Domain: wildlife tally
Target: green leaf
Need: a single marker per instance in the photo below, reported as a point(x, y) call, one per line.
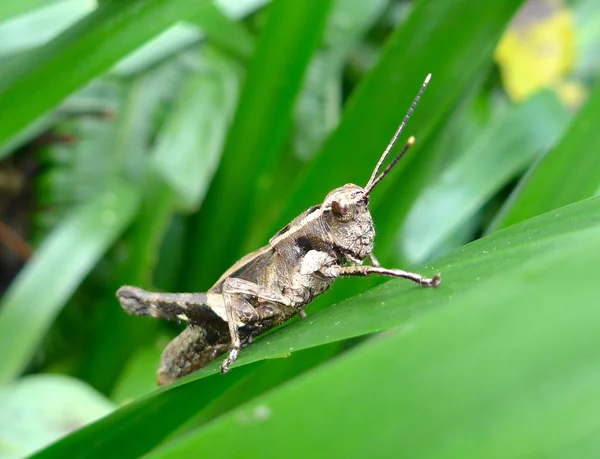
point(10, 10)
point(39, 26)
point(271, 374)
point(33, 412)
point(83, 166)
point(587, 36)
point(506, 369)
point(258, 132)
point(49, 279)
point(144, 98)
point(576, 156)
point(178, 404)
point(87, 49)
point(317, 111)
point(172, 41)
point(190, 144)
point(138, 378)
point(221, 30)
point(392, 305)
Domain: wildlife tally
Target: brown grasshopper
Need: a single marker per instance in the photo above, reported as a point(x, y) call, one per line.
point(267, 287)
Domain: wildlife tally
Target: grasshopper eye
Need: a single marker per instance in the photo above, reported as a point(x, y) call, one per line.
point(341, 211)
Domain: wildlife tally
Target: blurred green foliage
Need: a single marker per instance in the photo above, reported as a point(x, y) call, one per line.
point(154, 142)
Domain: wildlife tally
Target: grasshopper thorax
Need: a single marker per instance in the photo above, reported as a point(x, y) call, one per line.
point(346, 213)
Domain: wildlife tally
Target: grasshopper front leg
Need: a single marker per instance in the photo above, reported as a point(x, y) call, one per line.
point(360, 270)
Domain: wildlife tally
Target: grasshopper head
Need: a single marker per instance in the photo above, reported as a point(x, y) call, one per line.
point(346, 212)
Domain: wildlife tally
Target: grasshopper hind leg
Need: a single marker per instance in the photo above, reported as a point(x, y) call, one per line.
point(189, 307)
point(204, 340)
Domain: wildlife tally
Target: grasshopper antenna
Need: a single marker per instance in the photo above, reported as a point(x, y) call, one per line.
point(409, 143)
point(374, 179)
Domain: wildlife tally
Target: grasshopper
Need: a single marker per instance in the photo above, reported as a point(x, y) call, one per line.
point(269, 286)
